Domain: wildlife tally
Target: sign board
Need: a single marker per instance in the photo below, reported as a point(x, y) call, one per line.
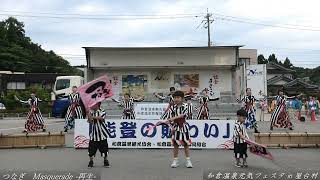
point(205, 134)
point(257, 80)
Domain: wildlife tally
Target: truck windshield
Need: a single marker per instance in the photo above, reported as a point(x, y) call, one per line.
point(62, 84)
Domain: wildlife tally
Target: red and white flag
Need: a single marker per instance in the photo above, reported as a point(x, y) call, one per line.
point(95, 91)
point(259, 150)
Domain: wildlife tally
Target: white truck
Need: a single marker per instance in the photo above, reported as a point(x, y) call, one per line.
point(59, 96)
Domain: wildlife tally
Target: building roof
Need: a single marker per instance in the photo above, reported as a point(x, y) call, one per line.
point(275, 66)
point(290, 83)
point(298, 81)
point(33, 77)
point(276, 79)
point(186, 47)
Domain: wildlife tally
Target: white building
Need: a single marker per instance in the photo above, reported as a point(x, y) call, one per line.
point(145, 70)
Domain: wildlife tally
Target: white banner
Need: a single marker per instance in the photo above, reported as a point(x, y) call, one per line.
point(205, 134)
point(257, 80)
point(116, 82)
point(149, 110)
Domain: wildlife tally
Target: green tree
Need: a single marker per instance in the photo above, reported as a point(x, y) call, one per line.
point(273, 58)
point(315, 76)
point(262, 60)
point(299, 72)
point(14, 30)
point(14, 106)
point(287, 63)
point(19, 53)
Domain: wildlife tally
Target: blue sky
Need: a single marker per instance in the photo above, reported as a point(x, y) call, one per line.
point(67, 36)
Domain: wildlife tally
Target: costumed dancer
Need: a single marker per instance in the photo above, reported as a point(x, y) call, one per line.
point(128, 106)
point(169, 99)
point(203, 109)
point(263, 107)
point(312, 104)
point(318, 106)
point(248, 103)
point(180, 129)
point(239, 136)
point(188, 98)
point(279, 117)
point(305, 106)
point(74, 110)
point(34, 118)
point(189, 107)
point(298, 107)
point(98, 133)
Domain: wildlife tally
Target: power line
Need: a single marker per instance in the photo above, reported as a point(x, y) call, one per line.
point(102, 18)
point(264, 24)
point(257, 20)
point(155, 16)
point(112, 15)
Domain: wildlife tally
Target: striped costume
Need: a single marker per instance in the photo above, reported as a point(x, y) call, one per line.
point(74, 110)
point(240, 147)
point(34, 118)
point(98, 133)
point(128, 109)
point(279, 117)
point(248, 105)
point(312, 107)
point(98, 130)
point(168, 112)
point(180, 128)
point(203, 109)
point(189, 110)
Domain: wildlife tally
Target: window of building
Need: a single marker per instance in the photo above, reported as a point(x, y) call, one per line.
point(16, 85)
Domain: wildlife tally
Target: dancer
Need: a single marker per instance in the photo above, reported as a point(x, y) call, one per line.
point(74, 110)
point(239, 136)
point(312, 104)
point(180, 132)
point(203, 109)
point(279, 117)
point(189, 107)
point(297, 106)
point(169, 99)
point(248, 103)
point(98, 133)
point(34, 118)
point(128, 106)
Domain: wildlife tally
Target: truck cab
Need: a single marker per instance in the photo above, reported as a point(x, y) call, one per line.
point(62, 88)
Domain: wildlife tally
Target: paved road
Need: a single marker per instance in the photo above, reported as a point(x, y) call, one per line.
point(154, 164)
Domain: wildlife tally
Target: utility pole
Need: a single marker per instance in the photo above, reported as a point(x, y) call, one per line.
point(207, 25)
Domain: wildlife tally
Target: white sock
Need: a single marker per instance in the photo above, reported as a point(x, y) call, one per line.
point(188, 158)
